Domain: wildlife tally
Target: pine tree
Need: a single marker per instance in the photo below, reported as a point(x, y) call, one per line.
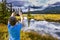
point(4, 14)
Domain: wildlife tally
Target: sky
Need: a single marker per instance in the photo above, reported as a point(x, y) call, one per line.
point(38, 2)
point(0, 0)
point(43, 2)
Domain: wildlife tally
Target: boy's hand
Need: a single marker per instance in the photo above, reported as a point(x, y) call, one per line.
point(20, 13)
point(13, 14)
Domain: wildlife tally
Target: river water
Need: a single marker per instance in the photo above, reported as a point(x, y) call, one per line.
point(43, 27)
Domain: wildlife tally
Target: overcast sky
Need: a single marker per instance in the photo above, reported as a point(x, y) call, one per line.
point(38, 2)
point(43, 2)
point(0, 0)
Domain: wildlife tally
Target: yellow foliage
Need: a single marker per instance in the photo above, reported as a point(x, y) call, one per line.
point(54, 17)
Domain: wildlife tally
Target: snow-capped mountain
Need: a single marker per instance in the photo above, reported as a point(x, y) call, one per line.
point(57, 3)
point(52, 8)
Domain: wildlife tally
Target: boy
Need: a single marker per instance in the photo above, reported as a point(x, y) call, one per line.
point(14, 26)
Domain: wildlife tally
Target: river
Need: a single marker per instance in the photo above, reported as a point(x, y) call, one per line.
point(43, 27)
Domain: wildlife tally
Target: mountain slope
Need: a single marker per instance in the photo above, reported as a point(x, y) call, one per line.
point(54, 8)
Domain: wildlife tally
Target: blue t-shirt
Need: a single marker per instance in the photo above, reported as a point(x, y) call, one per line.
point(14, 31)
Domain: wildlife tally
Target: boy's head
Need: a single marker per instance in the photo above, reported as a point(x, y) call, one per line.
point(12, 21)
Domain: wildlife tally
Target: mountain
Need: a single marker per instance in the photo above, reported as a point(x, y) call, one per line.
point(57, 3)
point(36, 7)
point(54, 8)
point(51, 8)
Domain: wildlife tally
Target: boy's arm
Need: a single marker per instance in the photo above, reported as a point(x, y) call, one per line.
point(21, 16)
point(13, 14)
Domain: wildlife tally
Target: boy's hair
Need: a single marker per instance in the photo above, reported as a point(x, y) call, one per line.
point(12, 21)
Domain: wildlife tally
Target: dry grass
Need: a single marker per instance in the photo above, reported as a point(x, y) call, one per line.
point(35, 36)
point(47, 17)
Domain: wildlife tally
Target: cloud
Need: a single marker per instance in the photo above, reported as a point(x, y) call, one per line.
point(0, 0)
point(38, 2)
point(53, 1)
point(15, 0)
point(43, 2)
